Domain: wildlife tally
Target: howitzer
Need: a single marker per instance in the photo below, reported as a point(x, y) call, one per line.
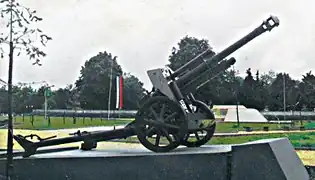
point(170, 114)
point(175, 88)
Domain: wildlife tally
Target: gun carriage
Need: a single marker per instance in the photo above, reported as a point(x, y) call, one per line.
point(170, 110)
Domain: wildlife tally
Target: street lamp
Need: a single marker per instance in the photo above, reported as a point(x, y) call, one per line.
point(47, 93)
point(284, 96)
point(236, 96)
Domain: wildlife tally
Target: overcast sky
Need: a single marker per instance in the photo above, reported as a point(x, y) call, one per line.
point(142, 32)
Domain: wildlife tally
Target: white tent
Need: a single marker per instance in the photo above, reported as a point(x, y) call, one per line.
point(245, 115)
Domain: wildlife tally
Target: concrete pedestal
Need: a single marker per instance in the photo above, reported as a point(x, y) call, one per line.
point(271, 159)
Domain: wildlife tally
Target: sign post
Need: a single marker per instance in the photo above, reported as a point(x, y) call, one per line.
point(47, 94)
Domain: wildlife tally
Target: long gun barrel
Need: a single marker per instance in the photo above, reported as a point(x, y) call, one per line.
point(197, 60)
point(267, 25)
point(207, 76)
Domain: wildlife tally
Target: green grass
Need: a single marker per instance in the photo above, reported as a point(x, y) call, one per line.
point(61, 123)
point(297, 139)
point(232, 127)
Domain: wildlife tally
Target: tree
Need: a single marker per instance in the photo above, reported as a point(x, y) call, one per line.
point(231, 86)
point(307, 91)
point(19, 21)
point(74, 98)
point(3, 100)
point(23, 33)
point(248, 93)
point(282, 87)
point(62, 97)
point(267, 78)
point(133, 91)
point(94, 81)
point(188, 48)
point(94, 84)
point(22, 96)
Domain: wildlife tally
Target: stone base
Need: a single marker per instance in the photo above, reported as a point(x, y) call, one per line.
point(271, 159)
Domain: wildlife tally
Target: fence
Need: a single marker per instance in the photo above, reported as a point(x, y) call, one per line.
point(86, 113)
point(269, 115)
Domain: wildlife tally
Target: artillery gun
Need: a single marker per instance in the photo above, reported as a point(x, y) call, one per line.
point(173, 92)
point(170, 109)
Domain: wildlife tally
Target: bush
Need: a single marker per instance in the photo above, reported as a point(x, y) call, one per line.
point(288, 117)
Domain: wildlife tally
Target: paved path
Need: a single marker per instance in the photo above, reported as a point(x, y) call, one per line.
point(308, 157)
point(242, 133)
point(65, 133)
point(121, 149)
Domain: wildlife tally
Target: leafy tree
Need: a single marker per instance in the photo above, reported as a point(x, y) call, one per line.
point(249, 93)
point(267, 78)
point(20, 38)
point(23, 34)
point(188, 48)
point(74, 98)
point(133, 91)
point(62, 97)
point(22, 98)
point(94, 81)
point(3, 100)
point(307, 90)
point(282, 84)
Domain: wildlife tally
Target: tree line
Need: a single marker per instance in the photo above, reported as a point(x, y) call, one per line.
point(273, 91)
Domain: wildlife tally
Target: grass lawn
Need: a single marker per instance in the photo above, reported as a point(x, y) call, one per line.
point(297, 139)
point(61, 123)
point(68, 122)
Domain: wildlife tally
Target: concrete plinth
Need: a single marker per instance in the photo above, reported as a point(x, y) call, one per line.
point(272, 159)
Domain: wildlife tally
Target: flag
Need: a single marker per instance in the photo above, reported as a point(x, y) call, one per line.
point(121, 89)
point(119, 92)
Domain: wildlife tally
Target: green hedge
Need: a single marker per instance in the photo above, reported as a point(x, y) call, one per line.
point(289, 117)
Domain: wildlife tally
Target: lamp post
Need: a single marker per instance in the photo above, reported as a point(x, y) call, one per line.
point(284, 103)
point(236, 96)
point(47, 93)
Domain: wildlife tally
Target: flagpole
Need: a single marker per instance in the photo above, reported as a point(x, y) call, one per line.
point(110, 90)
point(117, 97)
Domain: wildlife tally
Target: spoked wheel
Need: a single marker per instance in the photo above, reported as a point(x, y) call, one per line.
point(160, 124)
point(202, 135)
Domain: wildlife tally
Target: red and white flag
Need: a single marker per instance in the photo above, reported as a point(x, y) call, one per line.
point(119, 92)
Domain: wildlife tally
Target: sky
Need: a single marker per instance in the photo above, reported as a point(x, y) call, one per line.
point(141, 33)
